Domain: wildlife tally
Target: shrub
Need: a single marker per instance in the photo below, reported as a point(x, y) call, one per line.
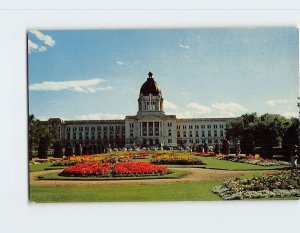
point(43, 148)
point(68, 149)
point(77, 149)
point(57, 150)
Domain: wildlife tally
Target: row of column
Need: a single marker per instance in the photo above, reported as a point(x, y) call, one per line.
point(150, 128)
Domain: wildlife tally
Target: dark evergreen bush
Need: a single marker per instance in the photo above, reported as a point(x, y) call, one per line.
point(43, 148)
point(57, 150)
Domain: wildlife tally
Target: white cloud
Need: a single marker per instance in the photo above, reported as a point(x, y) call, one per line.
point(229, 107)
point(290, 114)
point(184, 46)
point(273, 103)
point(46, 39)
point(101, 116)
point(119, 63)
point(87, 86)
point(169, 105)
point(199, 108)
point(34, 47)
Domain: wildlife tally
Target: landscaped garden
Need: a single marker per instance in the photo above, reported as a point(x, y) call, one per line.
point(166, 175)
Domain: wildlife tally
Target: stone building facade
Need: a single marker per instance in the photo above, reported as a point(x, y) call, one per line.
point(150, 126)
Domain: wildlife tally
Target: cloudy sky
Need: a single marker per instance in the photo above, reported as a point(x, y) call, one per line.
point(97, 74)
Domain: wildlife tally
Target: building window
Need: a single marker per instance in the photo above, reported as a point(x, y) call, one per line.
point(208, 133)
point(221, 126)
point(80, 129)
point(86, 128)
point(221, 133)
point(184, 134)
point(98, 128)
point(215, 126)
point(191, 134)
point(203, 141)
point(196, 126)
point(74, 136)
point(215, 133)
point(178, 134)
point(156, 128)
point(169, 124)
point(178, 126)
point(184, 126)
point(190, 126)
point(131, 133)
point(74, 128)
point(169, 132)
point(169, 140)
point(99, 135)
point(197, 141)
point(131, 125)
point(202, 126)
point(68, 136)
point(209, 126)
point(197, 134)
point(216, 141)
point(144, 128)
point(209, 141)
point(68, 129)
point(80, 135)
point(203, 133)
point(86, 135)
point(92, 128)
point(191, 140)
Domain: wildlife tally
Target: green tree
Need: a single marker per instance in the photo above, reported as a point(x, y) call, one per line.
point(290, 138)
point(57, 150)
point(68, 149)
point(242, 129)
point(77, 149)
point(43, 148)
point(268, 132)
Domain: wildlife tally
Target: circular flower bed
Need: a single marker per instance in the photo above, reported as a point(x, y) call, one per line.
point(119, 169)
point(278, 185)
point(176, 159)
point(140, 168)
point(87, 169)
point(253, 160)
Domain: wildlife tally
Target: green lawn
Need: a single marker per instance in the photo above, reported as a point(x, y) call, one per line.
point(55, 176)
point(229, 165)
point(39, 167)
point(190, 191)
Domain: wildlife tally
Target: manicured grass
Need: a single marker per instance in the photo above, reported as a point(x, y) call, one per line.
point(229, 165)
point(39, 167)
point(55, 176)
point(190, 191)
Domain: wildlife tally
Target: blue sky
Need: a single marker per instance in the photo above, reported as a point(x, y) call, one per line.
point(97, 74)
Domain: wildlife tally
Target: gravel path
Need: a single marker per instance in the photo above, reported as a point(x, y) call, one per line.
point(196, 174)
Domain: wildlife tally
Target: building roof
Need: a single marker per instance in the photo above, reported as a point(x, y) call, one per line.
point(150, 86)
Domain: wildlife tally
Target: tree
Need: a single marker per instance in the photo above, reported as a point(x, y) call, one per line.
point(43, 148)
point(85, 150)
point(290, 138)
point(242, 129)
point(57, 150)
point(217, 149)
point(225, 147)
point(77, 149)
point(68, 149)
point(269, 131)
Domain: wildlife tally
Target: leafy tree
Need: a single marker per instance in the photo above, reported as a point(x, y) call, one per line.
point(95, 149)
point(57, 150)
point(43, 148)
point(90, 149)
point(68, 149)
point(290, 138)
point(84, 150)
point(269, 131)
point(217, 149)
point(243, 129)
point(77, 149)
point(225, 147)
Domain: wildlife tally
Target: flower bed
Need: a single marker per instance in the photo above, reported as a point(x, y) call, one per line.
point(176, 159)
point(278, 185)
point(140, 168)
point(119, 169)
point(209, 154)
point(141, 155)
point(106, 158)
point(254, 161)
point(87, 169)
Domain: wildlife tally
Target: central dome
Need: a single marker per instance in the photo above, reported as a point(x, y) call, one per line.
point(150, 86)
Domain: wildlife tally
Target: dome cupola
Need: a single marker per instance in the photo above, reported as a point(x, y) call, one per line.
point(150, 86)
